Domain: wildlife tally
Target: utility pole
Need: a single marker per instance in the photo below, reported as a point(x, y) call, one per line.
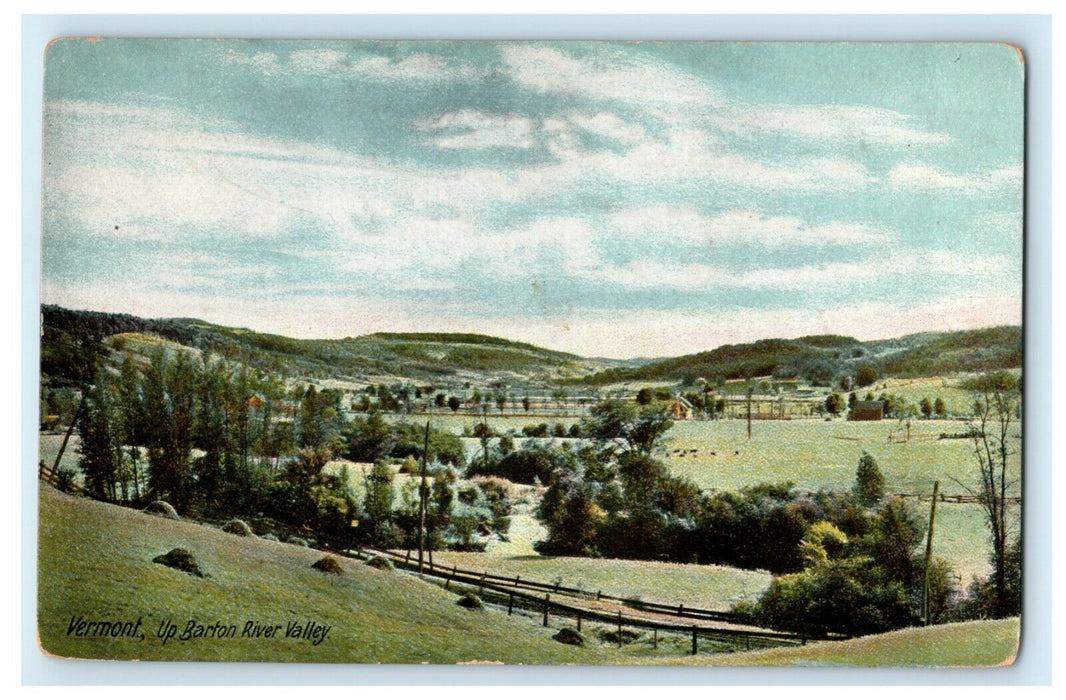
point(750, 389)
point(423, 498)
point(70, 429)
point(929, 551)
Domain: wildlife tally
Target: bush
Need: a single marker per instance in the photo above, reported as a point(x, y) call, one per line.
point(181, 559)
point(163, 510)
point(238, 527)
point(328, 565)
point(379, 562)
point(569, 635)
point(470, 601)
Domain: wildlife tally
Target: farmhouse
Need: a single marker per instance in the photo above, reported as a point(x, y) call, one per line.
point(680, 409)
point(867, 410)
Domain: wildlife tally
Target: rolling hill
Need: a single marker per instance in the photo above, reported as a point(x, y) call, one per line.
point(95, 561)
point(456, 358)
point(819, 359)
point(414, 356)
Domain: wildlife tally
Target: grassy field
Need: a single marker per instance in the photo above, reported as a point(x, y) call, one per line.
point(820, 455)
point(49, 448)
point(95, 560)
point(712, 587)
point(967, 644)
point(817, 455)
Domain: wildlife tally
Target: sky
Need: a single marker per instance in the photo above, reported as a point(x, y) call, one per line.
point(610, 199)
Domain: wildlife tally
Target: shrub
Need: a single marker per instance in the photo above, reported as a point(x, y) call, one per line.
point(181, 559)
point(162, 509)
point(470, 601)
point(379, 562)
point(238, 527)
point(328, 565)
point(569, 635)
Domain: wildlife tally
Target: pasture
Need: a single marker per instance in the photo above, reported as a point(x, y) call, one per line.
point(816, 455)
point(710, 587)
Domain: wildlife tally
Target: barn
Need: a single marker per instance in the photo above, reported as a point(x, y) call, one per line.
point(867, 410)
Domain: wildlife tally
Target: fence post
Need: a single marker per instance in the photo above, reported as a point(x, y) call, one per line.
point(681, 609)
point(545, 610)
point(695, 649)
point(510, 603)
point(406, 557)
point(655, 637)
point(516, 578)
point(598, 594)
point(579, 622)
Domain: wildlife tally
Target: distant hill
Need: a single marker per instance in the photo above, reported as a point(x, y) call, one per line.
point(417, 356)
point(466, 357)
point(821, 358)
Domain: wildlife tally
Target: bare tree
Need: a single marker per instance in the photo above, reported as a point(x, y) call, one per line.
point(996, 406)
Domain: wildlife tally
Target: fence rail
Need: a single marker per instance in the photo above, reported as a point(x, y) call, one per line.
point(511, 588)
point(45, 474)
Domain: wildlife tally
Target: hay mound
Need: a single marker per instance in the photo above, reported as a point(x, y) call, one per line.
point(569, 635)
point(181, 559)
point(298, 541)
point(380, 563)
point(620, 637)
point(238, 527)
point(328, 565)
point(270, 536)
point(471, 601)
point(162, 509)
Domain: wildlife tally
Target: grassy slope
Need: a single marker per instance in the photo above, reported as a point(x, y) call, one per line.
point(965, 644)
point(95, 560)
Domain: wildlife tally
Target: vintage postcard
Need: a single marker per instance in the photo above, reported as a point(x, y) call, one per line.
point(585, 353)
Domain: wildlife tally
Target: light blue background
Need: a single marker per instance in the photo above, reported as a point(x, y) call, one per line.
point(1032, 34)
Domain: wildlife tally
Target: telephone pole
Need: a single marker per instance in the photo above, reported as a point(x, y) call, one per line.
point(750, 389)
point(929, 552)
point(423, 498)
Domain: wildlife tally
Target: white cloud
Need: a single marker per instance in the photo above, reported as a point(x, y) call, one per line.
point(418, 67)
point(607, 75)
point(926, 177)
point(472, 129)
point(850, 123)
point(743, 227)
point(608, 125)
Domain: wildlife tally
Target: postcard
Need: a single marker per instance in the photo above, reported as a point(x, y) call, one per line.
point(543, 353)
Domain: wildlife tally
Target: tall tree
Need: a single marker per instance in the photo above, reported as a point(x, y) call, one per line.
point(310, 435)
point(997, 404)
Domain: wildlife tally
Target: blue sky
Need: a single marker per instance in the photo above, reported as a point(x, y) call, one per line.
point(613, 199)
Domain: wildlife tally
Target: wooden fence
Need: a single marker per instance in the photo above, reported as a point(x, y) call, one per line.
point(509, 589)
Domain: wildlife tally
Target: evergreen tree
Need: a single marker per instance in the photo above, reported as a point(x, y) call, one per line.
point(309, 429)
point(869, 482)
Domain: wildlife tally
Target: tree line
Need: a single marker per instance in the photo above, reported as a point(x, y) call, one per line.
point(215, 439)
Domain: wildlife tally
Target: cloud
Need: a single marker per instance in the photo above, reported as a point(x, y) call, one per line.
point(472, 129)
point(608, 125)
point(928, 178)
point(605, 75)
point(417, 67)
point(850, 123)
point(744, 227)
